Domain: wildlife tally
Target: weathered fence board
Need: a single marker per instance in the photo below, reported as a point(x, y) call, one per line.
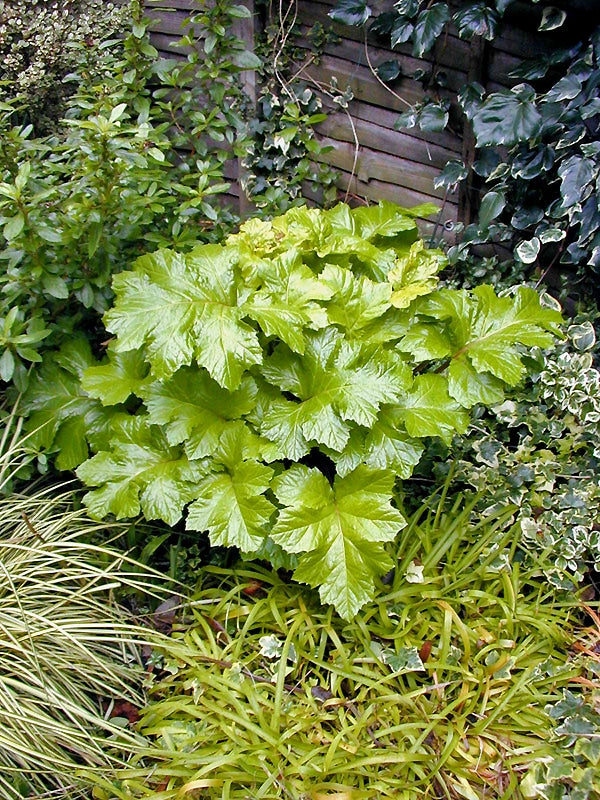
point(374, 158)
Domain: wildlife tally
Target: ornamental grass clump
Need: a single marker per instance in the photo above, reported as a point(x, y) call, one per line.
point(276, 386)
point(437, 689)
point(67, 650)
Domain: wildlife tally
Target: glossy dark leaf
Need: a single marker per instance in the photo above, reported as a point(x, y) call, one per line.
point(476, 19)
point(454, 172)
point(588, 219)
point(351, 12)
point(552, 118)
point(383, 23)
point(572, 136)
point(566, 89)
point(487, 161)
point(401, 31)
point(526, 216)
point(591, 108)
point(532, 69)
point(507, 117)
point(470, 98)
point(575, 173)
point(491, 207)
point(430, 23)
point(407, 8)
point(575, 254)
point(530, 164)
point(433, 117)
point(552, 18)
point(389, 70)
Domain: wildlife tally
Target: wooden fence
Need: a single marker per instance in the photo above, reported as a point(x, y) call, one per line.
point(374, 158)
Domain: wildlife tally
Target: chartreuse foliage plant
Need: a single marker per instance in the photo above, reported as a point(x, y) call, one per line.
point(436, 690)
point(277, 385)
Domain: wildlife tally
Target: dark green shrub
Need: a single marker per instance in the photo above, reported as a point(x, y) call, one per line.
point(137, 162)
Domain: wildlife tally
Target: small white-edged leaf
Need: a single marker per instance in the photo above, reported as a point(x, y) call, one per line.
point(552, 18)
point(528, 251)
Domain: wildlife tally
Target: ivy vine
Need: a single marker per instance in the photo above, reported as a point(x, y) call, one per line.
point(537, 154)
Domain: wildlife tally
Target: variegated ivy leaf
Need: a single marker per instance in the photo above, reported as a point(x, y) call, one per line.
point(185, 308)
point(141, 472)
point(335, 383)
point(339, 530)
point(194, 409)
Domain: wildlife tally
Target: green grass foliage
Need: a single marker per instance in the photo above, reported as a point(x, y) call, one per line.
point(437, 689)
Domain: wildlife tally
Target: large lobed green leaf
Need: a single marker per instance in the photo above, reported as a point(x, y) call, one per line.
point(231, 503)
point(140, 472)
point(483, 337)
point(185, 309)
point(339, 530)
point(336, 383)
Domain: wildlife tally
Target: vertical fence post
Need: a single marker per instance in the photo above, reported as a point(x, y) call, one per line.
point(246, 29)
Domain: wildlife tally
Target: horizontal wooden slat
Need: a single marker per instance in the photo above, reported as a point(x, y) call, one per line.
point(376, 137)
point(450, 53)
point(170, 22)
point(392, 164)
point(403, 195)
point(165, 44)
point(387, 119)
point(366, 87)
point(370, 165)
